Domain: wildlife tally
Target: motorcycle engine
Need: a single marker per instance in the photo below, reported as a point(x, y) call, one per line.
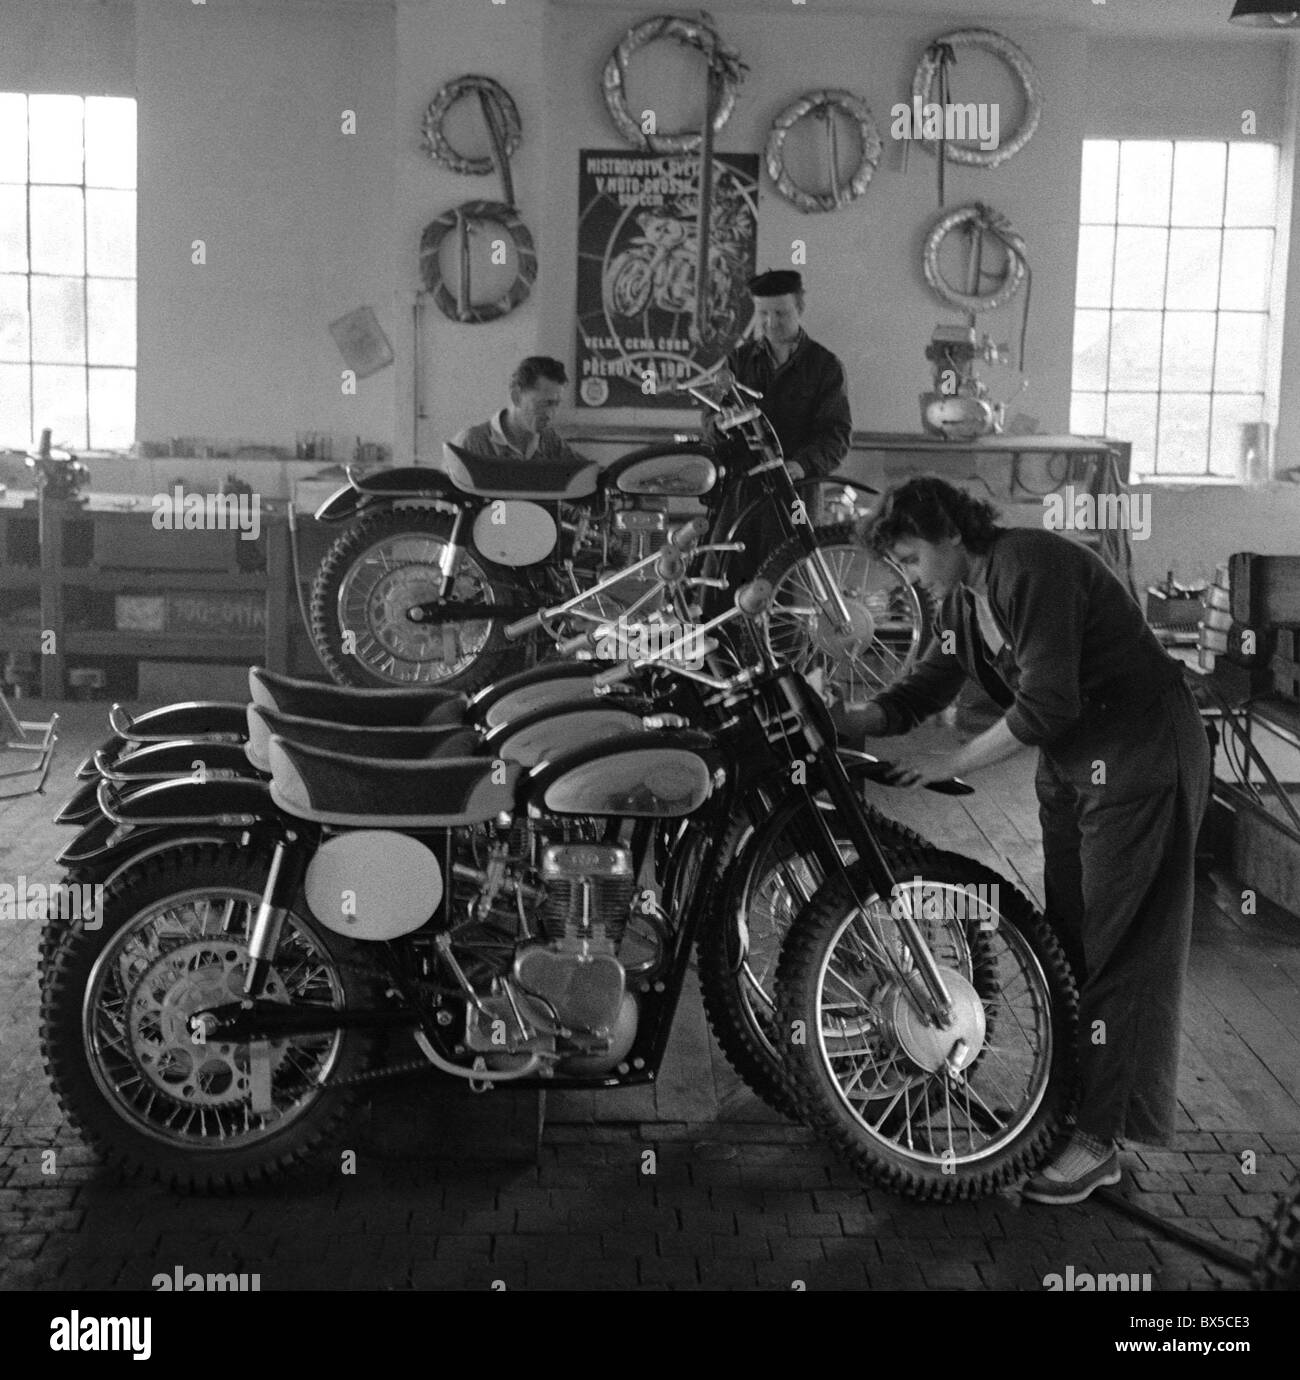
point(567, 980)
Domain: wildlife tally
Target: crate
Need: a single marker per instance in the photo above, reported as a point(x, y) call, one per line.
point(1265, 589)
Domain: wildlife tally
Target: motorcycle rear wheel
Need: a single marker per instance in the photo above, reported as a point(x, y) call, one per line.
point(208, 1118)
point(382, 564)
point(871, 1076)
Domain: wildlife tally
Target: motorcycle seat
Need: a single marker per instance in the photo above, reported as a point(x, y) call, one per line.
point(377, 792)
point(444, 740)
point(490, 476)
point(346, 704)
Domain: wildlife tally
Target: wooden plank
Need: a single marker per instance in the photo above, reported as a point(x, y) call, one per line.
point(1269, 1105)
point(1274, 1042)
point(1205, 1097)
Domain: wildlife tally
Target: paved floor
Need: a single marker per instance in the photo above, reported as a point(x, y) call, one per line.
point(452, 1190)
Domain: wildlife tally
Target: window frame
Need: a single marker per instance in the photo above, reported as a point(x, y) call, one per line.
point(88, 368)
point(1273, 309)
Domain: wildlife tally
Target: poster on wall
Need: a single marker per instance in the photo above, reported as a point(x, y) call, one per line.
point(637, 250)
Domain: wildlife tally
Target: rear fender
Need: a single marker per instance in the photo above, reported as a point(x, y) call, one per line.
point(230, 804)
point(165, 761)
point(219, 721)
point(104, 849)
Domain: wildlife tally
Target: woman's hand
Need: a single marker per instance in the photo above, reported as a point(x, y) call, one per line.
point(923, 769)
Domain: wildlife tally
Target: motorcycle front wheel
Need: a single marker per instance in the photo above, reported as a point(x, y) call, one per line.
point(950, 1112)
point(773, 874)
point(382, 565)
point(115, 1004)
point(882, 639)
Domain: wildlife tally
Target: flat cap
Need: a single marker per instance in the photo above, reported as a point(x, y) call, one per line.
point(776, 282)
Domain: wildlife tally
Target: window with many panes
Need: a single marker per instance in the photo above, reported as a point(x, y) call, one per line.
point(1172, 301)
point(67, 270)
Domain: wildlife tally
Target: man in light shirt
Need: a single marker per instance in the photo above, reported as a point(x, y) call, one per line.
point(522, 430)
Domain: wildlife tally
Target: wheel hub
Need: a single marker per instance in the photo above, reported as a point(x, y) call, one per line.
point(832, 639)
point(190, 978)
point(930, 1047)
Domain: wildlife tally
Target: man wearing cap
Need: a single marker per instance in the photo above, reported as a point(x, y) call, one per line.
point(804, 397)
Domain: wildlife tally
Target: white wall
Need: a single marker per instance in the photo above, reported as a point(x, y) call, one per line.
point(240, 107)
point(240, 146)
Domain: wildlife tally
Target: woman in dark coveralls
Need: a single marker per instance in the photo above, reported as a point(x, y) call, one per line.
point(1123, 774)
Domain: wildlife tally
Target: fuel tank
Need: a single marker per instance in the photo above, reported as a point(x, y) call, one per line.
point(655, 774)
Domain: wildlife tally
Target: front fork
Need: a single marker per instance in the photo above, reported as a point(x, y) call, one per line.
point(782, 488)
point(840, 790)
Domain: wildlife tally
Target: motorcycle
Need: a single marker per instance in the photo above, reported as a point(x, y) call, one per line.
point(524, 925)
point(215, 742)
point(436, 562)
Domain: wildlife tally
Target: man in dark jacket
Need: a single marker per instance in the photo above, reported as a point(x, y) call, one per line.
point(804, 397)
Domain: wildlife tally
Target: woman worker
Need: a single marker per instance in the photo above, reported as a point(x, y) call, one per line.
point(1123, 776)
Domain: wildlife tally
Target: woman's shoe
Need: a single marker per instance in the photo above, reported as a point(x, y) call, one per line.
point(1083, 1164)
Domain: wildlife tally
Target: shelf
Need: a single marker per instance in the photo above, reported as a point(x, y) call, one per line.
point(184, 646)
point(162, 582)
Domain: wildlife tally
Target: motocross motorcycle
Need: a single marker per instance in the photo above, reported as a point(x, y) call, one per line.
point(213, 742)
point(528, 925)
point(437, 562)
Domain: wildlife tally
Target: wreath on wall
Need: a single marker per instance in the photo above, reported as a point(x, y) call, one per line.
point(466, 220)
point(698, 34)
point(941, 54)
point(823, 105)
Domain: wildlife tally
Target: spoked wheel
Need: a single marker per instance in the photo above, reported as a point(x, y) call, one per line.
point(115, 1006)
point(774, 873)
point(371, 576)
point(947, 1112)
point(882, 638)
point(1277, 1264)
